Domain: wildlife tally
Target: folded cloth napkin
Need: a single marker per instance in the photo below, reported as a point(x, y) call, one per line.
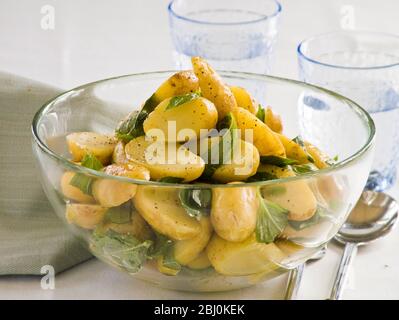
point(31, 235)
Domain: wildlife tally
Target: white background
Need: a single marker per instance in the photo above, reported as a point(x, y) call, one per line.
point(96, 39)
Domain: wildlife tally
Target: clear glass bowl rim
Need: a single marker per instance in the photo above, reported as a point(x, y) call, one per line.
point(302, 55)
point(363, 114)
point(182, 17)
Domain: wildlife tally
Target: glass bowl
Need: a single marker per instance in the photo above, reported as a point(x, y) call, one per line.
point(340, 127)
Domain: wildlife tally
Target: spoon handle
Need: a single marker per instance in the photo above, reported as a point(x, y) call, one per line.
point(294, 281)
point(342, 274)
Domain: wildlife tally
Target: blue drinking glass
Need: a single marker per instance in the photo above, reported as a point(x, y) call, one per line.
point(231, 34)
point(363, 66)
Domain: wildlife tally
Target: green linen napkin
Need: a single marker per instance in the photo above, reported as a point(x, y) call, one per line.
point(31, 235)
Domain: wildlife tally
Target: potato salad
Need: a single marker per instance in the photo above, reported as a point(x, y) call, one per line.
point(179, 185)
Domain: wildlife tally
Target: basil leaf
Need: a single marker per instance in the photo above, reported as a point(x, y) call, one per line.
point(120, 214)
point(164, 247)
point(277, 161)
point(304, 168)
point(171, 180)
point(261, 176)
point(179, 100)
point(271, 221)
point(261, 113)
point(125, 251)
point(224, 149)
point(298, 140)
point(82, 181)
point(196, 202)
point(320, 215)
point(132, 126)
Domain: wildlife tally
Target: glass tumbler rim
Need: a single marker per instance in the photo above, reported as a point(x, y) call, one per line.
point(366, 118)
point(203, 22)
point(303, 55)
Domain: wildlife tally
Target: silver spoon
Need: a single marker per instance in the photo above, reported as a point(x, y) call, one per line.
point(295, 275)
point(373, 217)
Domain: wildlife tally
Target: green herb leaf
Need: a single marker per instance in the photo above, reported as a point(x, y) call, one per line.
point(164, 247)
point(82, 181)
point(179, 100)
point(332, 161)
point(125, 251)
point(132, 126)
point(120, 214)
point(261, 113)
point(224, 149)
point(304, 168)
point(270, 222)
point(171, 180)
point(320, 214)
point(277, 161)
point(196, 202)
point(261, 176)
point(90, 161)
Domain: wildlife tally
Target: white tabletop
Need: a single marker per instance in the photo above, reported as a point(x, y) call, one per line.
point(93, 40)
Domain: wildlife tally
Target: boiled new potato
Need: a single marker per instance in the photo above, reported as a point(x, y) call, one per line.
point(234, 212)
point(295, 196)
point(245, 162)
point(200, 262)
point(119, 155)
point(155, 157)
point(86, 216)
point(273, 120)
point(112, 193)
point(319, 157)
point(244, 99)
point(99, 145)
point(180, 83)
point(72, 192)
point(136, 227)
point(188, 119)
point(162, 210)
point(242, 258)
point(264, 139)
point(186, 251)
point(213, 88)
point(293, 150)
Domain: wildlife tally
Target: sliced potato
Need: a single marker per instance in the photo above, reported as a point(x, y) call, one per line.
point(119, 155)
point(187, 119)
point(319, 157)
point(200, 262)
point(234, 212)
point(99, 145)
point(72, 192)
point(180, 83)
point(244, 164)
point(244, 99)
point(273, 120)
point(161, 208)
point(293, 150)
point(242, 258)
point(295, 196)
point(112, 193)
point(184, 163)
point(213, 88)
point(264, 139)
point(186, 251)
point(86, 216)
